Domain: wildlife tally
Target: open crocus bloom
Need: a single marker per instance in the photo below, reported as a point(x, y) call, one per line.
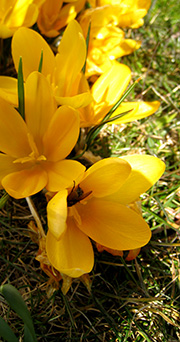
point(33, 152)
point(89, 210)
point(17, 13)
point(130, 13)
point(107, 41)
point(53, 15)
point(63, 71)
point(106, 91)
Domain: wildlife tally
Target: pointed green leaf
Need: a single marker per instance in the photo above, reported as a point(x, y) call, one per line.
point(21, 106)
point(117, 104)
point(6, 333)
point(27, 335)
point(93, 132)
point(87, 45)
point(16, 302)
point(41, 62)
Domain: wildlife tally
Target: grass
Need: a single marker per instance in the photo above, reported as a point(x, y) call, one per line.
point(129, 301)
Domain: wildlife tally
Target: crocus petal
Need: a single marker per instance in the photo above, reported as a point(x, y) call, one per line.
point(13, 132)
point(5, 32)
point(113, 225)
point(18, 13)
point(57, 214)
point(63, 174)
point(132, 19)
point(39, 105)
point(62, 133)
point(7, 166)
point(110, 86)
point(8, 90)
point(29, 44)
point(73, 253)
point(115, 252)
point(25, 183)
point(77, 101)
point(72, 55)
point(146, 170)
point(68, 12)
point(138, 110)
point(133, 253)
point(47, 17)
point(31, 16)
point(127, 46)
point(105, 177)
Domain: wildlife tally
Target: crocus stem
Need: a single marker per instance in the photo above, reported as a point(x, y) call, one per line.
point(35, 215)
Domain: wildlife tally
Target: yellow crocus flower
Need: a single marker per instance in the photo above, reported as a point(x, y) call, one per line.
point(53, 15)
point(17, 13)
point(34, 151)
point(107, 40)
point(106, 91)
point(130, 12)
point(63, 71)
point(98, 207)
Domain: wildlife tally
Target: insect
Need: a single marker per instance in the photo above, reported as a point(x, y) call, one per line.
point(76, 195)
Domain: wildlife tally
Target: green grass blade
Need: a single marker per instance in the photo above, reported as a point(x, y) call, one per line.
point(21, 105)
point(92, 134)
point(117, 104)
point(6, 333)
point(96, 129)
point(3, 200)
point(16, 302)
point(87, 45)
point(41, 62)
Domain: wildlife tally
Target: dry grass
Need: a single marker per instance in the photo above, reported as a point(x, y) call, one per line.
point(129, 301)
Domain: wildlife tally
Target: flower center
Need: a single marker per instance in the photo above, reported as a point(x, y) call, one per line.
point(34, 156)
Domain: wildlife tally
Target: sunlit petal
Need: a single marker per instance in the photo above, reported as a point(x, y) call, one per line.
point(5, 32)
point(39, 105)
point(19, 12)
point(105, 177)
point(139, 110)
point(62, 133)
point(8, 89)
point(127, 46)
point(25, 183)
point(110, 86)
point(7, 166)
point(72, 54)
point(68, 12)
point(113, 225)
point(73, 253)
point(57, 214)
point(13, 131)
point(63, 174)
point(31, 15)
point(146, 170)
point(29, 44)
point(16, 13)
point(47, 17)
point(77, 101)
